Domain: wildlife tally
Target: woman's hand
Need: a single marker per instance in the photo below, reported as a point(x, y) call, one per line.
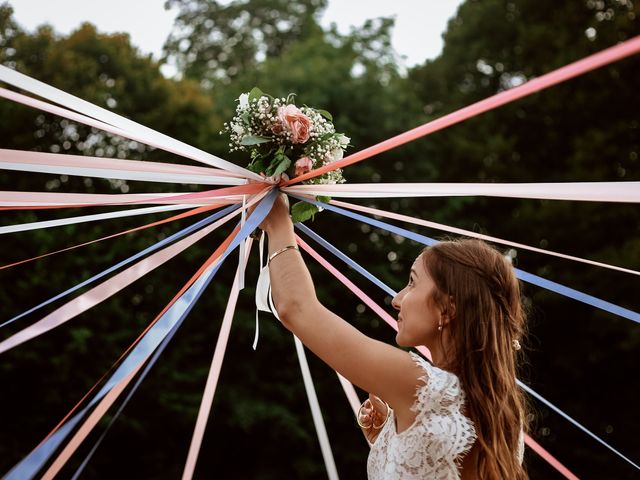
point(372, 416)
point(278, 217)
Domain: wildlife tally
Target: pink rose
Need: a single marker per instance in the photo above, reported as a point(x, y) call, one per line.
point(303, 165)
point(295, 122)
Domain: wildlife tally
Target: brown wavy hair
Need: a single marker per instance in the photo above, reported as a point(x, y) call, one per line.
point(479, 285)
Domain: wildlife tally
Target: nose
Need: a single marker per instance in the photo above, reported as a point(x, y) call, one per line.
point(397, 300)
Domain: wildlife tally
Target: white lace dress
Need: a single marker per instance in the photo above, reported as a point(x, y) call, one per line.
point(433, 446)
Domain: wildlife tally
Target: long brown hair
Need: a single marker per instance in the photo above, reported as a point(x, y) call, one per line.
point(486, 320)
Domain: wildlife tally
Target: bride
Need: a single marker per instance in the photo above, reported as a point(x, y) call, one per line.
point(461, 415)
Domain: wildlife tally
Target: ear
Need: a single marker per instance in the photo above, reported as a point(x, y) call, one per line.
point(448, 312)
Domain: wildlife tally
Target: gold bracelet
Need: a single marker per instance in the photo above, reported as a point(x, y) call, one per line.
point(282, 250)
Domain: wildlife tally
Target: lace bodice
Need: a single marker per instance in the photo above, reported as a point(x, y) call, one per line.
point(433, 446)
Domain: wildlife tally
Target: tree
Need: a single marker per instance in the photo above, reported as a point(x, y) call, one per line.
point(215, 43)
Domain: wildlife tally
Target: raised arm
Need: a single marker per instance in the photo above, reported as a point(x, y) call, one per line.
point(374, 366)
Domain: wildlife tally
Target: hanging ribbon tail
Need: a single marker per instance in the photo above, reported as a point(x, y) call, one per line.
point(264, 300)
point(261, 258)
point(323, 438)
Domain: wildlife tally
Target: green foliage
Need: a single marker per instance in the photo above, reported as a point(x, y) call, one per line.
point(584, 130)
point(215, 43)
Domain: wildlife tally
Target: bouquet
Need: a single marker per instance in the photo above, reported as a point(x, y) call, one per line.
point(285, 141)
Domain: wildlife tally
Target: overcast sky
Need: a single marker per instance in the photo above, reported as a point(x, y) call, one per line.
point(419, 23)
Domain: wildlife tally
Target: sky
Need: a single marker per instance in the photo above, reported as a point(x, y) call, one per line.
point(417, 35)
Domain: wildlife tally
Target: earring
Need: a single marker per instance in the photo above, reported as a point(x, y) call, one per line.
point(439, 326)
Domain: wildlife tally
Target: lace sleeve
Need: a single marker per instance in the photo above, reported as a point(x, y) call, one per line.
point(441, 398)
point(434, 445)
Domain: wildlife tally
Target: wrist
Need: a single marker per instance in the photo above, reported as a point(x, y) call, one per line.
point(276, 226)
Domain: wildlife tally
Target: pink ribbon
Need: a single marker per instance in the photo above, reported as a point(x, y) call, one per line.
point(109, 164)
point(55, 199)
point(350, 392)
point(382, 313)
point(576, 191)
point(214, 371)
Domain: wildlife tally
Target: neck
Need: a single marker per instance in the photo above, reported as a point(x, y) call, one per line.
point(438, 355)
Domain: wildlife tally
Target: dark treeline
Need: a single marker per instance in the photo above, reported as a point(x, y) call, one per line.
point(587, 129)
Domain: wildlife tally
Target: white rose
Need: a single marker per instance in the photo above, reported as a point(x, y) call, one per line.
point(334, 155)
point(343, 140)
point(244, 100)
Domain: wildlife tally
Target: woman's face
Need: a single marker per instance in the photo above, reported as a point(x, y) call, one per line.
point(418, 318)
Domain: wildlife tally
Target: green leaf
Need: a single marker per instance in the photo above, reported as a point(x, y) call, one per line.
point(255, 94)
point(282, 166)
point(257, 166)
point(323, 199)
point(303, 211)
point(254, 140)
point(325, 114)
point(278, 165)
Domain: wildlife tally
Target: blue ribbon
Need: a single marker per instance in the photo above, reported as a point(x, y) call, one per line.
point(186, 231)
point(522, 275)
point(139, 380)
point(526, 388)
point(28, 467)
point(357, 267)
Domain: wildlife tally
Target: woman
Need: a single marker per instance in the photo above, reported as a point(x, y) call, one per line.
point(460, 416)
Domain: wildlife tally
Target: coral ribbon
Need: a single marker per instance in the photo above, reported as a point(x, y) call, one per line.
point(580, 67)
point(191, 212)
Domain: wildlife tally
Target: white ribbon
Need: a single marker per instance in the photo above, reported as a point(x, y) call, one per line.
point(121, 174)
point(23, 227)
point(325, 446)
point(55, 95)
point(578, 191)
point(261, 250)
